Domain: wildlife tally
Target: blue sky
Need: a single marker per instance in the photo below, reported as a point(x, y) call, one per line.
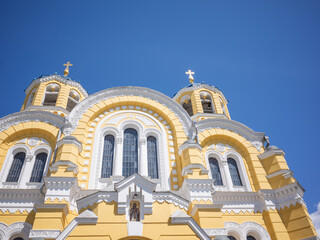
point(263, 55)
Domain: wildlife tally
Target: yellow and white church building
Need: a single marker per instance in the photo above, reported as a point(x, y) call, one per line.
point(132, 163)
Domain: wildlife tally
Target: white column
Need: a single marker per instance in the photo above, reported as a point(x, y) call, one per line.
point(26, 171)
point(227, 175)
point(118, 158)
point(143, 161)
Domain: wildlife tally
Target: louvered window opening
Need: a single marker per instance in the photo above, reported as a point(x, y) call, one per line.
point(107, 159)
point(38, 167)
point(215, 171)
point(234, 172)
point(152, 157)
point(130, 152)
point(207, 105)
point(188, 107)
point(16, 167)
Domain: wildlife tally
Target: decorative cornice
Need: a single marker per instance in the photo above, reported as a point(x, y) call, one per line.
point(70, 140)
point(189, 144)
point(22, 228)
point(212, 232)
point(243, 229)
point(44, 234)
point(197, 189)
point(136, 178)
point(59, 79)
point(198, 86)
point(271, 152)
point(170, 197)
point(31, 116)
point(189, 169)
point(26, 199)
point(83, 106)
point(71, 166)
point(179, 217)
point(233, 126)
point(97, 197)
point(286, 173)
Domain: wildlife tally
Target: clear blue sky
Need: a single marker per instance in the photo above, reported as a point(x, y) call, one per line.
point(264, 56)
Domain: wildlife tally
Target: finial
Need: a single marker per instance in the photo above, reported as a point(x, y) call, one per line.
point(190, 76)
point(66, 71)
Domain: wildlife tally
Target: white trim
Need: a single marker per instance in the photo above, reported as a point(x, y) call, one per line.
point(179, 217)
point(241, 231)
point(17, 229)
point(286, 173)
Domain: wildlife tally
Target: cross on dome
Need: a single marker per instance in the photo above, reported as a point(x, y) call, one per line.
point(67, 65)
point(190, 73)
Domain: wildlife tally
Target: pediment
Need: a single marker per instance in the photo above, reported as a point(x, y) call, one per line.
point(136, 180)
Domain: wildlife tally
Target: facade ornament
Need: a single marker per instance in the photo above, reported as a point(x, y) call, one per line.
point(257, 144)
point(29, 157)
point(34, 141)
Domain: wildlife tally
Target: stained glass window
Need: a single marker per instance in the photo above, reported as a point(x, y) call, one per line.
point(38, 167)
point(152, 157)
point(215, 171)
point(15, 170)
point(234, 172)
point(107, 159)
point(130, 152)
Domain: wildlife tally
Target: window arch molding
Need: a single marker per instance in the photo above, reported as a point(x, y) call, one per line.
point(241, 231)
point(27, 167)
point(9, 160)
point(242, 170)
point(220, 158)
point(145, 125)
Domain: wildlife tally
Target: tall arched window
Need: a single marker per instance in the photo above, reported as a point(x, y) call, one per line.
point(215, 171)
point(130, 152)
point(231, 238)
point(107, 160)
point(15, 170)
point(206, 102)
point(187, 105)
point(51, 95)
point(152, 157)
point(38, 167)
point(251, 238)
point(234, 172)
point(73, 100)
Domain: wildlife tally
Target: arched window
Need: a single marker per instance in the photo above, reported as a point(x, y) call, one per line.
point(215, 171)
point(18, 238)
point(73, 100)
point(231, 238)
point(251, 238)
point(130, 152)
point(51, 95)
point(206, 102)
point(38, 167)
point(152, 157)
point(187, 105)
point(107, 160)
point(234, 172)
point(15, 170)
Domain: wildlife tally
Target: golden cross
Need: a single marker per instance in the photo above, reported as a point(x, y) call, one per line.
point(67, 65)
point(190, 76)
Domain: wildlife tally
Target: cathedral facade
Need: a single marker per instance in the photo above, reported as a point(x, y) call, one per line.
point(133, 163)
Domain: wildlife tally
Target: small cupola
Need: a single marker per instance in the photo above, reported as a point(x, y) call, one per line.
point(202, 101)
point(54, 93)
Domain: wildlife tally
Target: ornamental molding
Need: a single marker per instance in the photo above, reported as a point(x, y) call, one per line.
point(189, 144)
point(286, 173)
point(197, 189)
point(20, 229)
point(59, 79)
point(170, 197)
point(212, 232)
point(97, 197)
point(31, 116)
point(271, 152)
point(196, 86)
point(70, 140)
point(50, 234)
point(257, 144)
point(246, 228)
point(13, 200)
point(260, 201)
point(179, 217)
point(71, 166)
point(83, 106)
point(233, 126)
point(189, 169)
